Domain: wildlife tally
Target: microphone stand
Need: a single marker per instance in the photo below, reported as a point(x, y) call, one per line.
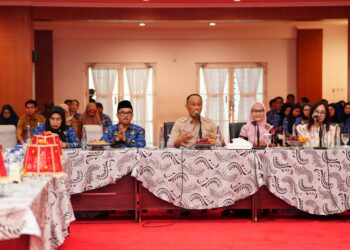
point(320, 135)
point(200, 126)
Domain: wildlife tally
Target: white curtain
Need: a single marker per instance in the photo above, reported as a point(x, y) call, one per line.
point(247, 80)
point(215, 80)
point(104, 79)
point(137, 79)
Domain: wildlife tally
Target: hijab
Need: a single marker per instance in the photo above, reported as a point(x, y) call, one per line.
point(12, 120)
point(60, 131)
point(66, 110)
point(85, 119)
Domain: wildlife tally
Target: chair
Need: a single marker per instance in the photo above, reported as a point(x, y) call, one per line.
point(93, 132)
point(8, 137)
point(167, 130)
point(235, 129)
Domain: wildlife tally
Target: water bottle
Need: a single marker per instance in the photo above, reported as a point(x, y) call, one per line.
point(161, 138)
point(83, 139)
point(218, 141)
point(29, 135)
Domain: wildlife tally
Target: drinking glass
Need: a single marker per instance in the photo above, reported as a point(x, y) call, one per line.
point(267, 139)
point(345, 139)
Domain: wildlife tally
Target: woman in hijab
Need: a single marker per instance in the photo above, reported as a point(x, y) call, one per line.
point(333, 115)
point(256, 126)
point(89, 117)
point(346, 114)
point(8, 116)
point(319, 119)
point(56, 123)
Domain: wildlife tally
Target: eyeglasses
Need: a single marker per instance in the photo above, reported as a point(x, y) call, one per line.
point(320, 112)
point(125, 113)
point(258, 111)
point(55, 120)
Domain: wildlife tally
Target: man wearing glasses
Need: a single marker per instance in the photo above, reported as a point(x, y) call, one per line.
point(125, 134)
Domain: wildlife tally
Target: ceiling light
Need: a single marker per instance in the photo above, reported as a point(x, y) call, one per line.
point(236, 0)
point(145, 0)
point(212, 24)
point(142, 24)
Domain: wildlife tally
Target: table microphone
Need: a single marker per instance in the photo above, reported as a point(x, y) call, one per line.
point(198, 115)
point(316, 117)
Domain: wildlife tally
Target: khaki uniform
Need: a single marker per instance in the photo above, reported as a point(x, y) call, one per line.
point(24, 122)
point(188, 125)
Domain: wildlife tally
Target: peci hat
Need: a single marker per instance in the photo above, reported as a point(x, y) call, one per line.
point(124, 104)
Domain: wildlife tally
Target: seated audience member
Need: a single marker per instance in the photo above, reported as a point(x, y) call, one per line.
point(105, 119)
point(333, 115)
point(68, 102)
point(73, 109)
point(47, 108)
point(30, 120)
point(276, 115)
point(319, 117)
point(346, 114)
point(89, 117)
point(289, 121)
point(285, 110)
point(8, 116)
point(185, 131)
point(304, 100)
point(290, 99)
point(125, 134)
point(70, 120)
point(270, 115)
point(305, 114)
point(56, 123)
point(256, 126)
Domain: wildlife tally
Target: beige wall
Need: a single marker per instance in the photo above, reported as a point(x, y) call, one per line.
point(177, 50)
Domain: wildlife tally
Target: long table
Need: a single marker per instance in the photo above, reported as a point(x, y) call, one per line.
point(35, 214)
point(314, 181)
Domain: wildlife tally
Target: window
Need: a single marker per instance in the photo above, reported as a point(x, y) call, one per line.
point(133, 82)
point(228, 91)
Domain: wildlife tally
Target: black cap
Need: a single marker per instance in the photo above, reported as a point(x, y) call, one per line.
point(124, 104)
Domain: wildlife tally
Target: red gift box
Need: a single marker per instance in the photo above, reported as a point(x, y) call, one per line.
point(41, 159)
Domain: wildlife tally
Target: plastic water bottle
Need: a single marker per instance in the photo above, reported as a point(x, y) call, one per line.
point(161, 138)
point(83, 139)
point(29, 135)
point(218, 141)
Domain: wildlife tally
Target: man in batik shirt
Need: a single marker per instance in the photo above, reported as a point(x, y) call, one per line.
point(125, 134)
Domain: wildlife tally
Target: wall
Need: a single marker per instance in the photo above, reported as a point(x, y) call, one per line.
point(176, 50)
point(16, 43)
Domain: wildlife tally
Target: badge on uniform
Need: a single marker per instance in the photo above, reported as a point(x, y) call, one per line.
point(132, 132)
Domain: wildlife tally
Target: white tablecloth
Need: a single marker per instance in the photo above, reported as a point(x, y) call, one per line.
point(39, 207)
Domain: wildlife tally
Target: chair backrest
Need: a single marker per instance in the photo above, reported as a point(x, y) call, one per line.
point(8, 137)
point(235, 129)
point(167, 130)
point(93, 132)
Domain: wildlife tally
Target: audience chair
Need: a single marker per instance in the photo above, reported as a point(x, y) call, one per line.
point(235, 129)
point(8, 137)
point(167, 130)
point(93, 132)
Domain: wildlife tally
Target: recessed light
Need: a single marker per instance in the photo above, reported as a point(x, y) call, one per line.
point(145, 0)
point(236, 0)
point(142, 24)
point(212, 24)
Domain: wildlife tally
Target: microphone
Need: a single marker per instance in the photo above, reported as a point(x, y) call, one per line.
point(315, 116)
point(198, 115)
point(257, 132)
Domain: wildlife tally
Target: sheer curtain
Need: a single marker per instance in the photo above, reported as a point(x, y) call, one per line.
point(216, 84)
point(247, 80)
point(104, 80)
point(137, 82)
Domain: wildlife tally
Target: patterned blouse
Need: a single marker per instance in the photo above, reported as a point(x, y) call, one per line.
point(72, 140)
point(329, 138)
point(135, 136)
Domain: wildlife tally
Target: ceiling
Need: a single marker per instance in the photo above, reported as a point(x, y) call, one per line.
point(175, 3)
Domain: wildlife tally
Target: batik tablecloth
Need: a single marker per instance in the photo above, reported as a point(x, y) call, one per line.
point(314, 181)
point(198, 179)
point(39, 207)
point(88, 169)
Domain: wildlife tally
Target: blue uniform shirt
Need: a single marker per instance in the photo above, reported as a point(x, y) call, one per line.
point(135, 136)
point(105, 121)
point(71, 137)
